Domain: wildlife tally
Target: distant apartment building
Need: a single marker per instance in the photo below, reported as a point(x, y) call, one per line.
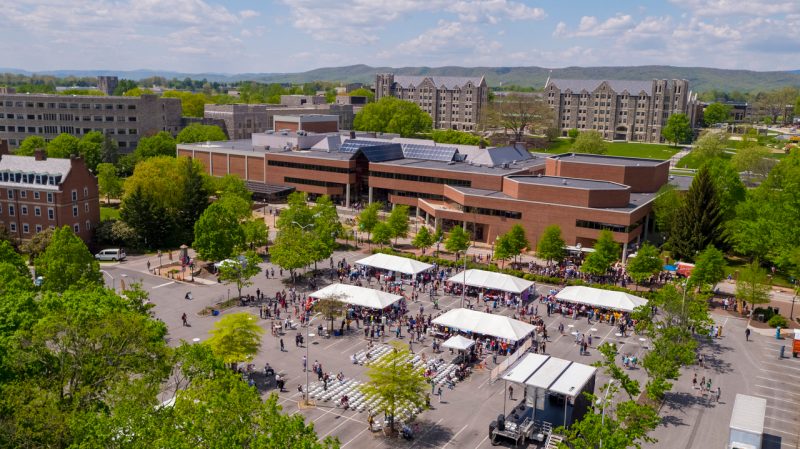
point(107, 84)
point(452, 102)
point(302, 100)
point(315, 123)
point(38, 193)
point(239, 121)
point(619, 109)
point(124, 119)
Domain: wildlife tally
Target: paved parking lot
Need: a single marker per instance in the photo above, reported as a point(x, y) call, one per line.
point(462, 419)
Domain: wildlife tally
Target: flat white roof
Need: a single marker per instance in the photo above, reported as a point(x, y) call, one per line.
point(485, 323)
point(395, 263)
point(573, 379)
point(491, 280)
point(597, 297)
point(548, 373)
point(748, 414)
point(528, 365)
point(357, 296)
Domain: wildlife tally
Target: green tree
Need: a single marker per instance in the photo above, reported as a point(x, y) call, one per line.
point(194, 198)
point(666, 208)
point(503, 247)
point(716, 113)
point(458, 240)
point(590, 142)
point(518, 240)
point(90, 148)
point(67, 263)
point(606, 252)
point(123, 86)
point(192, 104)
point(573, 134)
point(14, 273)
point(150, 219)
point(699, 223)
point(363, 92)
point(290, 250)
point(646, 263)
point(330, 308)
point(382, 234)
point(711, 145)
point(256, 233)
point(755, 160)
point(457, 137)
point(368, 218)
point(37, 244)
point(398, 221)
point(197, 132)
point(709, 268)
point(392, 115)
point(236, 338)
point(31, 144)
point(423, 240)
point(240, 272)
point(63, 146)
point(519, 114)
point(161, 144)
point(678, 129)
point(229, 185)
point(326, 228)
point(217, 233)
point(728, 184)
point(108, 182)
point(551, 246)
point(396, 383)
point(752, 284)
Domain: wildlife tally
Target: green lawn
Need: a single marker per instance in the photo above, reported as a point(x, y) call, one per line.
point(109, 213)
point(628, 149)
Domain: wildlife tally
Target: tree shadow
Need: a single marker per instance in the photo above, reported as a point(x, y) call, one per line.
point(673, 421)
point(711, 351)
point(679, 401)
point(427, 432)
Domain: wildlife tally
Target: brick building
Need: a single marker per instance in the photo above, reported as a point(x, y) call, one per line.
point(37, 193)
point(485, 190)
point(452, 102)
point(619, 109)
point(124, 119)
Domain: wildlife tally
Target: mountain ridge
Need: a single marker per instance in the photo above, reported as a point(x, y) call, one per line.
point(700, 78)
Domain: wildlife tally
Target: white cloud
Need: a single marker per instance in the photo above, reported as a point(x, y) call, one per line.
point(248, 14)
point(589, 26)
point(739, 7)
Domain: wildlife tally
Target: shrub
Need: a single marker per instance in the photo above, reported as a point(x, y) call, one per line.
point(777, 320)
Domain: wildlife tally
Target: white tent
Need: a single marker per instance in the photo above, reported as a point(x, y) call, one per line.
point(395, 263)
point(492, 280)
point(485, 323)
point(601, 298)
point(458, 342)
point(357, 296)
point(551, 373)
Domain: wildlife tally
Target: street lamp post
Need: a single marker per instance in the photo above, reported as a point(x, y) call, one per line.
point(464, 285)
point(603, 413)
point(308, 343)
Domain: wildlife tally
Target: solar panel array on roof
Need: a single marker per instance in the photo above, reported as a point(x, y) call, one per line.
point(429, 152)
point(383, 153)
point(351, 145)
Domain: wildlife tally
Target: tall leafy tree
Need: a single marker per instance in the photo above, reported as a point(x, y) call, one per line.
point(503, 247)
point(152, 221)
point(236, 338)
point(326, 228)
point(382, 234)
point(520, 114)
point(90, 148)
point(67, 263)
point(666, 207)
point(197, 132)
point(518, 240)
point(63, 146)
point(590, 141)
point(29, 145)
point(396, 383)
point(678, 129)
point(646, 263)
point(256, 233)
point(728, 184)
point(551, 246)
point(108, 182)
point(240, 272)
point(330, 308)
point(110, 151)
point(218, 234)
point(368, 218)
point(699, 223)
point(290, 251)
point(716, 113)
point(709, 268)
point(392, 115)
point(457, 240)
point(161, 144)
point(606, 252)
point(194, 199)
point(423, 239)
point(398, 221)
point(752, 284)
point(711, 145)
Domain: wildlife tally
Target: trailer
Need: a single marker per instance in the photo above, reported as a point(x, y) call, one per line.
point(518, 432)
point(747, 422)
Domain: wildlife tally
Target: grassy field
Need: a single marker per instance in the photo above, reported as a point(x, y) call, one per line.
point(109, 213)
point(629, 149)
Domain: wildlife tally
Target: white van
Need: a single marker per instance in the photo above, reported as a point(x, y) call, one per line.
point(114, 254)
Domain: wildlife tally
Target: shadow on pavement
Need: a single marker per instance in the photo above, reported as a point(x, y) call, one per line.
point(432, 435)
point(711, 351)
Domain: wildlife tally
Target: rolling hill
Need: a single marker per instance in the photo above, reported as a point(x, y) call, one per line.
point(700, 78)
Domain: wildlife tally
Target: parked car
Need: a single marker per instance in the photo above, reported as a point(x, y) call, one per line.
point(114, 254)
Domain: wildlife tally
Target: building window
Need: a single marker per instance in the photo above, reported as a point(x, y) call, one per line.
point(23, 193)
point(86, 207)
point(38, 228)
point(49, 197)
point(11, 210)
point(88, 225)
point(74, 211)
point(12, 227)
point(51, 215)
point(37, 211)
point(36, 195)
point(77, 228)
point(25, 228)
point(85, 192)
point(23, 209)
point(74, 195)
point(10, 194)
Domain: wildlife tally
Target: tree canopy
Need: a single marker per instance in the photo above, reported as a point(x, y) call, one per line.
point(236, 337)
point(392, 115)
point(698, 223)
point(646, 263)
point(590, 141)
point(716, 113)
point(240, 272)
point(752, 284)
point(217, 233)
point(197, 132)
point(519, 114)
point(161, 144)
point(457, 240)
point(709, 268)
point(606, 252)
point(551, 246)
point(398, 221)
point(678, 129)
point(67, 262)
point(423, 239)
point(368, 218)
point(109, 184)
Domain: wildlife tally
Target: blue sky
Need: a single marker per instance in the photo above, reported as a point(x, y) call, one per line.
point(295, 35)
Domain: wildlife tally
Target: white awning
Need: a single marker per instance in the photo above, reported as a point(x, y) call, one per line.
point(525, 368)
point(596, 297)
point(572, 380)
point(485, 323)
point(548, 373)
point(357, 296)
point(458, 342)
point(492, 280)
point(394, 263)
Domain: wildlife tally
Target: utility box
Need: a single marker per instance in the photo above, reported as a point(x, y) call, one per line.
point(747, 422)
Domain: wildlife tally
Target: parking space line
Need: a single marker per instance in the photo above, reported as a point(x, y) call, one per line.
point(782, 420)
point(781, 431)
point(778, 399)
point(482, 441)
point(354, 438)
point(454, 436)
point(781, 409)
point(162, 285)
point(782, 390)
point(764, 362)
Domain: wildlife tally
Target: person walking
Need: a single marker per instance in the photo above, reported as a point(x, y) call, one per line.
point(747, 334)
point(510, 392)
point(719, 393)
point(305, 363)
point(185, 321)
point(282, 349)
point(439, 393)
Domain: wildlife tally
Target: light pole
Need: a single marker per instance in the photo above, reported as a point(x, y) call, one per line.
point(308, 343)
point(464, 286)
point(603, 413)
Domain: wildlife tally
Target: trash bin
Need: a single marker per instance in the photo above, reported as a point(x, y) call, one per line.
point(214, 312)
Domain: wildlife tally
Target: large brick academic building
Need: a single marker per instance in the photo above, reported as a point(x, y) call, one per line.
point(485, 190)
